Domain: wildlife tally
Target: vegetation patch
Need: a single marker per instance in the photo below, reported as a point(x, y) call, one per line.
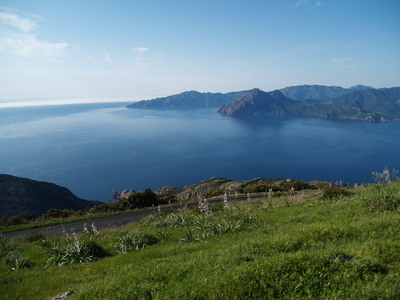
point(256, 249)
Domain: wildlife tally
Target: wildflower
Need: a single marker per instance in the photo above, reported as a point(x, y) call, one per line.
point(204, 207)
point(385, 176)
point(226, 203)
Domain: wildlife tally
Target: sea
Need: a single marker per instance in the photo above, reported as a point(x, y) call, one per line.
point(93, 149)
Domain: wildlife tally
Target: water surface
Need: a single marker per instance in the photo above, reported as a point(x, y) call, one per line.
point(93, 149)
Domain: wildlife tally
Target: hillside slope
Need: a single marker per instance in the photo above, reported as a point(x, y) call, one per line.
point(292, 245)
point(187, 100)
point(21, 196)
point(319, 92)
point(365, 105)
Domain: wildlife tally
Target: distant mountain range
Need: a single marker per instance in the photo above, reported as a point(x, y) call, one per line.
point(22, 196)
point(319, 92)
point(367, 105)
point(330, 102)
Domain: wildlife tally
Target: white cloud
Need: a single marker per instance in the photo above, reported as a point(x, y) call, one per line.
point(108, 57)
point(316, 5)
point(312, 5)
point(17, 22)
point(141, 49)
point(297, 4)
point(27, 45)
point(17, 37)
point(342, 60)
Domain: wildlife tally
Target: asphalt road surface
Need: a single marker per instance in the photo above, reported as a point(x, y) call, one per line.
point(103, 222)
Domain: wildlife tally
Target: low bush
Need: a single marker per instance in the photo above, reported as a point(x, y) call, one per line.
point(6, 247)
point(17, 261)
point(74, 249)
point(382, 197)
point(334, 191)
point(133, 242)
point(33, 237)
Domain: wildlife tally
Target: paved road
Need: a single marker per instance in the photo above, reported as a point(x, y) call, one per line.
point(103, 222)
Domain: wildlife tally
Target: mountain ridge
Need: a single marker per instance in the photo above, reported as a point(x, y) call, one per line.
point(187, 100)
point(358, 102)
point(373, 105)
point(194, 99)
point(319, 92)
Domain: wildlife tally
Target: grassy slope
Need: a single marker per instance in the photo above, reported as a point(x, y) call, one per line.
point(313, 249)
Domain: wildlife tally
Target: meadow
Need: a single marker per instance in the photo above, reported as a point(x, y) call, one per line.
point(343, 242)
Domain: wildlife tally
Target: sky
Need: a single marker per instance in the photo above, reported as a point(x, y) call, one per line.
point(76, 51)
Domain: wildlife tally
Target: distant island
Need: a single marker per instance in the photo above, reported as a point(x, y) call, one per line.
point(360, 102)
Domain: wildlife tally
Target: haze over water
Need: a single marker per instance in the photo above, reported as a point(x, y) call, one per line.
point(95, 148)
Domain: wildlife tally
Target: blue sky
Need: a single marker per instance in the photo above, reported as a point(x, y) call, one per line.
point(131, 50)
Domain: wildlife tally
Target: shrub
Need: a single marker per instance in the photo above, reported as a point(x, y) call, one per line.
point(6, 247)
point(15, 220)
point(298, 185)
point(74, 249)
point(33, 237)
point(257, 188)
point(133, 242)
point(334, 191)
point(17, 261)
point(11, 255)
point(382, 197)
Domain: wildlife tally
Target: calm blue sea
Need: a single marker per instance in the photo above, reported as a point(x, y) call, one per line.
point(95, 148)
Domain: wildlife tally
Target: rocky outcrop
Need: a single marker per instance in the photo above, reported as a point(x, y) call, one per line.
point(126, 193)
point(167, 190)
point(217, 186)
point(258, 103)
point(365, 105)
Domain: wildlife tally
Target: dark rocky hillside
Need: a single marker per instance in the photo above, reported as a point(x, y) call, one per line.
point(21, 196)
point(373, 105)
point(257, 103)
point(385, 102)
point(329, 102)
point(188, 100)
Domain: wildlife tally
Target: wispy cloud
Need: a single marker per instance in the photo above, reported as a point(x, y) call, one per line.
point(27, 45)
point(108, 57)
point(342, 60)
point(18, 38)
point(316, 5)
point(17, 22)
point(141, 49)
point(299, 3)
point(307, 3)
point(144, 60)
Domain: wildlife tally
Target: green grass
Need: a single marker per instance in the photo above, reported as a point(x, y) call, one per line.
point(295, 247)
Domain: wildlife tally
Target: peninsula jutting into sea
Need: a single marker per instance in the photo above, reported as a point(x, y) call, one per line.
point(360, 102)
